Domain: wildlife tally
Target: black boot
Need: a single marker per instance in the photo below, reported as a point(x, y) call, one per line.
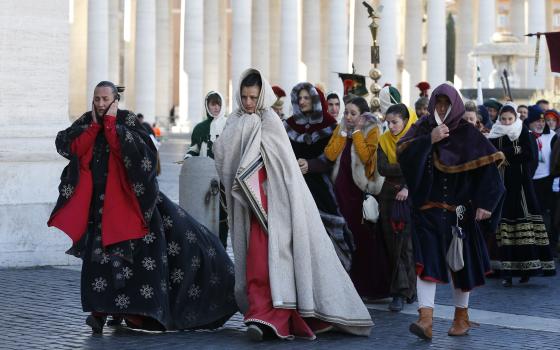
point(96, 323)
point(397, 304)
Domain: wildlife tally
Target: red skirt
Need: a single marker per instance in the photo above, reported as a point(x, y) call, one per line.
point(286, 323)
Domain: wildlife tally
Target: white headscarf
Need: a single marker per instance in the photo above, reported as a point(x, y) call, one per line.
point(341, 110)
point(512, 131)
point(219, 121)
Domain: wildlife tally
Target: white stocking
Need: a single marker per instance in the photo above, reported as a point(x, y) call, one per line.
point(426, 293)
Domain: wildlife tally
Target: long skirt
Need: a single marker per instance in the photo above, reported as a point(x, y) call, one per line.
point(370, 270)
point(286, 323)
point(398, 245)
point(177, 277)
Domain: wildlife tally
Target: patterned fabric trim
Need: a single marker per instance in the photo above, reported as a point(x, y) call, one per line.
point(309, 138)
point(527, 265)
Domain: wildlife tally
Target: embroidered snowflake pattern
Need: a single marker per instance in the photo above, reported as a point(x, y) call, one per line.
point(116, 263)
point(167, 222)
point(164, 259)
point(194, 292)
point(128, 137)
point(147, 291)
point(147, 216)
point(231, 270)
point(214, 280)
point(195, 263)
point(127, 272)
point(101, 197)
point(127, 162)
point(119, 276)
point(118, 251)
point(211, 252)
point(104, 259)
point(97, 251)
point(146, 164)
point(122, 301)
point(163, 285)
point(131, 120)
point(191, 237)
point(173, 248)
point(149, 238)
point(138, 188)
point(63, 153)
point(149, 263)
point(177, 275)
point(99, 284)
point(100, 211)
point(181, 212)
point(191, 316)
point(132, 245)
point(67, 191)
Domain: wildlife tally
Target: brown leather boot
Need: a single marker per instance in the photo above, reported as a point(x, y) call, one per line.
point(423, 327)
point(461, 323)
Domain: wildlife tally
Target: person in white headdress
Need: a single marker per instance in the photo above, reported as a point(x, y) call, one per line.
point(288, 279)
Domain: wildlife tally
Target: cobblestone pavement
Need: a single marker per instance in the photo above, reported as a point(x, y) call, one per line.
point(40, 308)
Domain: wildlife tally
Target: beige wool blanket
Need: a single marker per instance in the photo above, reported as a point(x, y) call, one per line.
point(305, 272)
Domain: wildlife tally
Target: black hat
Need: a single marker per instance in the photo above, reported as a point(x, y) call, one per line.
point(535, 113)
point(493, 103)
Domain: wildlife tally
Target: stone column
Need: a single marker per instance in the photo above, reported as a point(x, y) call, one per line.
point(465, 67)
point(436, 42)
point(338, 43)
point(145, 52)
point(98, 45)
point(412, 74)
point(537, 23)
point(289, 45)
point(79, 102)
point(486, 28)
point(261, 36)
point(240, 41)
point(212, 42)
point(115, 38)
point(163, 62)
point(311, 39)
point(34, 71)
point(274, 45)
point(194, 59)
point(518, 20)
point(388, 42)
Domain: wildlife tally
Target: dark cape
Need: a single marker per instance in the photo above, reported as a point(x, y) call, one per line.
point(459, 170)
point(309, 135)
point(522, 243)
point(142, 254)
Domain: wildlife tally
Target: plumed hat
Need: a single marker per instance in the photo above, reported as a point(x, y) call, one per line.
point(423, 86)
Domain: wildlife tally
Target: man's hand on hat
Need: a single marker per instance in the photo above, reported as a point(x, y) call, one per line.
point(439, 133)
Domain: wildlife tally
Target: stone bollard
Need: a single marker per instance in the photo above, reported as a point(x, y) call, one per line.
point(199, 191)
